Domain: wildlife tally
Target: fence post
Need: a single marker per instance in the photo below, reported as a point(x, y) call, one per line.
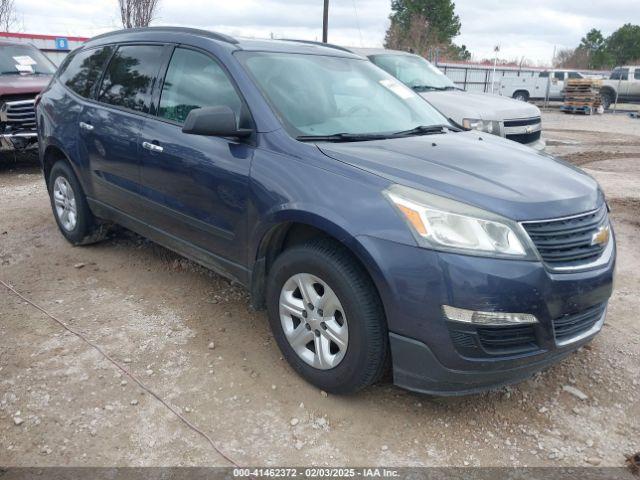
point(486, 80)
point(466, 71)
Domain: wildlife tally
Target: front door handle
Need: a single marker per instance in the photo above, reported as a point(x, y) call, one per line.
point(86, 126)
point(152, 147)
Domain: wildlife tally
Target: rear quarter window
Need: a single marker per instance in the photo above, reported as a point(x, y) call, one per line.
point(83, 70)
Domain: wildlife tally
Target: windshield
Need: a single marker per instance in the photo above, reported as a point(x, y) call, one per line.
point(24, 59)
point(413, 71)
point(322, 96)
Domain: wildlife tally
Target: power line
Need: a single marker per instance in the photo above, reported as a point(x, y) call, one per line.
point(355, 9)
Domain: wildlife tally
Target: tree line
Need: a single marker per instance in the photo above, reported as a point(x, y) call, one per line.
point(597, 52)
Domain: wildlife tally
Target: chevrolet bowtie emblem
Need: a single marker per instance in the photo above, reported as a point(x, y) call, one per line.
point(601, 237)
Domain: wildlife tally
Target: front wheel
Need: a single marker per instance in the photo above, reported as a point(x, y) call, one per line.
point(327, 317)
point(607, 99)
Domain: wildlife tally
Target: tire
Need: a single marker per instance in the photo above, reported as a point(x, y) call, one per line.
point(521, 95)
point(607, 99)
point(81, 228)
point(365, 358)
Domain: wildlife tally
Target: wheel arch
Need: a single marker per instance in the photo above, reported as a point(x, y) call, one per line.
point(296, 227)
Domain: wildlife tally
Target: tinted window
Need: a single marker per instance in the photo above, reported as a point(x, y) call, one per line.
point(195, 80)
point(129, 78)
point(620, 74)
point(84, 69)
point(544, 75)
point(636, 75)
point(574, 75)
point(559, 75)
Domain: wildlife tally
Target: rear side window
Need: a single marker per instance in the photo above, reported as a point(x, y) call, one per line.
point(84, 69)
point(195, 80)
point(559, 75)
point(636, 75)
point(544, 75)
point(129, 78)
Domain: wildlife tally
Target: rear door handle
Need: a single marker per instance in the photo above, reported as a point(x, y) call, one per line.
point(86, 126)
point(152, 147)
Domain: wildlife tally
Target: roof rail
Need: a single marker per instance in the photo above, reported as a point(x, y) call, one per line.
point(205, 33)
point(319, 44)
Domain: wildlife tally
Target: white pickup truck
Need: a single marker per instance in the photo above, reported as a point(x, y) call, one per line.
point(530, 88)
point(624, 82)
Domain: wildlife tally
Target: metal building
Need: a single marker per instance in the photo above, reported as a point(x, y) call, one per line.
point(56, 47)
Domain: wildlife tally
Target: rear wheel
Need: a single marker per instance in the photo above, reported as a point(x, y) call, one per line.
point(521, 95)
point(326, 317)
point(70, 208)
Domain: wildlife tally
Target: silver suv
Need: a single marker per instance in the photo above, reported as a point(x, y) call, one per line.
point(505, 117)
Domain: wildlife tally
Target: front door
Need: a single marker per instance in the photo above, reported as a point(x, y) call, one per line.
point(196, 187)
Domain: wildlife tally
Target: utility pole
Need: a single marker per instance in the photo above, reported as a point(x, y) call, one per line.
point(325, 22)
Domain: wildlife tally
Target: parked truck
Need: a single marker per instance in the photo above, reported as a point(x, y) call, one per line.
point(622, 85)
point(535, 88)
point(24, 73)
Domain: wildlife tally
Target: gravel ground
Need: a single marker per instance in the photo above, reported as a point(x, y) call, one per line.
point(190, 336)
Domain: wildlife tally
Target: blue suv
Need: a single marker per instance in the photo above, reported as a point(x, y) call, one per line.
point(375, 233)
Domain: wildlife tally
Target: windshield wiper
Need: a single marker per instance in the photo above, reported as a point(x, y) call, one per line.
point(342, 137)
point(427, 130)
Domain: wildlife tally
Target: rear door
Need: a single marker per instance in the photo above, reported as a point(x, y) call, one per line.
point(620, 78)
point(634, 85)
point(110, 126)
point(196, 187)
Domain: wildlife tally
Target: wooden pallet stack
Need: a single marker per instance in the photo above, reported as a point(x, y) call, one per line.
point(582, 95)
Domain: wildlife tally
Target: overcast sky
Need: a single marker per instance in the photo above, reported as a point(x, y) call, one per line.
point(529, 28)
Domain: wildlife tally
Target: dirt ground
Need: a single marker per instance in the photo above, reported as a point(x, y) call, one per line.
point(61, 403)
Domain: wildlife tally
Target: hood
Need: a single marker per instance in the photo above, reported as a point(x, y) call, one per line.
point(23, 84)
point(482, 170)
point(458, 104)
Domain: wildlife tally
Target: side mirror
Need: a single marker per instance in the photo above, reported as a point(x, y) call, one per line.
point(217, 121)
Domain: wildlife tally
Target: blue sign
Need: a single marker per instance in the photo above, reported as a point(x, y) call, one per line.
point(62, 43)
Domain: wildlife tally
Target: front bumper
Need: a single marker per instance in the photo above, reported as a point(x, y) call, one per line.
point(538, 145)
point(426, 356)
point(18, 141)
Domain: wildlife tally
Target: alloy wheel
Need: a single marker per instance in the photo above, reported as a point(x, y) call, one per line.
point(314, 321)
point(65, 204)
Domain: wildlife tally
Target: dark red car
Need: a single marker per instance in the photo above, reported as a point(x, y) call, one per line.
point(24, 72)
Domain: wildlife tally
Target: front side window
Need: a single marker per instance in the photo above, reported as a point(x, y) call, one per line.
point(318, 95)
point(413, 71)
point(620, 74)
point(24, 60)
point(84, 70)
point(636, 75)
point(128, 80)
point(544, 75)
point(195, 80)
point(559, 75)
point(575, 75)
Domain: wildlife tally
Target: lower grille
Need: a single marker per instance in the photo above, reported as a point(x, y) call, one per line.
point(507, 340)
point(523, 130)
point(18, 115)
point(490, 341)
point(569, 242)
point(572, 325)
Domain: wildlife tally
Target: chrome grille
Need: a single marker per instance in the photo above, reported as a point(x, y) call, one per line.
point(523, 130)
point(568, 242)
point(18, 115)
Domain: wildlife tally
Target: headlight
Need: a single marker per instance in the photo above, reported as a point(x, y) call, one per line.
point(489, 126)
point(444, 224)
